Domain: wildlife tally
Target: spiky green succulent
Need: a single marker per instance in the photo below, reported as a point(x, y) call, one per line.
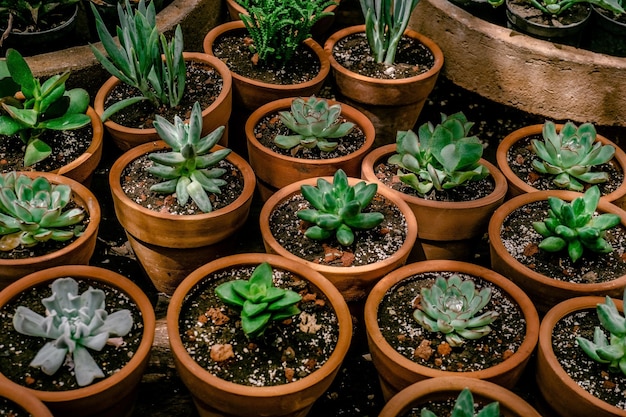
point(439, 157)
point(76, 323)
point(464, 407)
point(314, 121)
point(32, 211)
point(258, 300)
point(570, 155)
point(337, 208)
point(612, 350)
point(450, 306)
point(189, 168)
point(575, 227)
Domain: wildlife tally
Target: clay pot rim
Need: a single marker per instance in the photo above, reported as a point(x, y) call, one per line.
point(87, 272)
point(23, 398)
point(334, 296)
point(527, 307)
point(500, 187)
point(495, 224)
point(526, 131)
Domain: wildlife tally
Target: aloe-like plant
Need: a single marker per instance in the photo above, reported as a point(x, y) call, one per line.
point(314, 121)
point(46, 105)
point(556, 7)
point(75, 323)
point(575, 226)
point(450, 306)
point(440, 156)
point(570, 154)
point(33, 211)
point(612, 350)
point(258, 300)
point(189, 168)
point(464, 407)
point(337, 208)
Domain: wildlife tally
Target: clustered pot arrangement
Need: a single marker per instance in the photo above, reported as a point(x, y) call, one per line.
point(351, 231)
point(294, 138)
point(443, 318)
point(253, 312)
point(439, 171)
point(81, 338)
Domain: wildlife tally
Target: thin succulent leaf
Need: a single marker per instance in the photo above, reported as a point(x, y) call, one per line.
point(575, 250)
point(122, 104)
point(195, 190)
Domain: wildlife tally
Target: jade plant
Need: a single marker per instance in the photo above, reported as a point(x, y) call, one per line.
point(575, 226)
point(278, 27)
point(440, 157)
point(612, 350)
point(75, 323)
point(34, 211)
point(46, 105)
point(464, 407)
point(337, 208)
point(313, 121)
point(189, 169)
point(450, 306)
point(259, 301)
point(570, 155)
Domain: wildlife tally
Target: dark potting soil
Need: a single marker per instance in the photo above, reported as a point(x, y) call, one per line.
point(270, 126)
point(573, 15)
point(405, 335)
point(136, 183)
point(370, 246)
point(18, 350)
point(590, 375)
point(9, 408)
point(521, 241)
point(233, 48)
point(203, 84)
point(521, 155)
point(287, 351)
point(412, 58)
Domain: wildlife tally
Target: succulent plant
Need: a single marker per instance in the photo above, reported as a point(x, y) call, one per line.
point(556, 7)
point(75, 323)
point(337, 208)
point(571, 154)
point(313, 120)
point(611, 350)
point(45, 106)
point(575, 226)
point(441, 156)
point(464, 407)
point(32, 211)
point(187, 168)
point(450, 307)
point(259, 301)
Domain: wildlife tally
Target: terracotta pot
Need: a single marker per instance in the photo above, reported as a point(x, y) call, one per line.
point(277, 170)
point(564, 395)
point(77, 252)
point(518, 186)
point(445, 228)
point(23, 399)
point(353, 282)
point(392, 105)
point(449, 387)
point(214, 396)
point(252, 94)
point(544, 291)
point(217, 114)
point(170, 246)
point(113, 396)
point(397, 372)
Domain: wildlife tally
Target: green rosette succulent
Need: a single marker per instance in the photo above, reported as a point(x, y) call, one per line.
point(32, 211)
point(612, 350)
point(337, 208)
point(440, 157)
point(464, 407)
point(76, 323)
point(575, 227)
point(258, 300)
point(450, 307)
point(314, 121)
point(189, 169)
point(570, 155)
